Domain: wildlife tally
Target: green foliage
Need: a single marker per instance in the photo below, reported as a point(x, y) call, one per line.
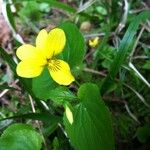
point(10, 16)
point(62, 94)
point(60, 5)
point(49, 89)
point(20, 137)
point(8, 59)
point(107, 55)
point(73, 53)
point(124, 126)
point(42, 102)
point(46, 85)
point(56, 144)
point(101, 10)
point(147, 65)
point(25, 82)
point(44, 117)
point(124, 48)
point(143, 134)
point(74, 50)
point(91, 127)
point(30, 12)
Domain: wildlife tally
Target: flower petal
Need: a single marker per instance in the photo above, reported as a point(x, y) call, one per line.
point(29, 69)
point(94, 42)
point(60, 72)
point(42, 44)
point(27, 51)
point(57, 40)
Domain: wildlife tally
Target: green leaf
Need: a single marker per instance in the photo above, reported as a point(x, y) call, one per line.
point(50, 122)
point(61, 94)
point(143, 134)
point(106, 53)
point(125, 48)
point(20, 137)
point(64, 7)
point(43, 84)
point(4, 86)
point(13, 65)
point(73, 53)
point(45, 117)
point(44, 7)
point(25, 82)
point(74, 50)
point(10, 16)
point(146, 65)
point(92, 127)
point(101, 10)
point(56, 144)
point(30, 12)
point(8, 59)
point(59, 5)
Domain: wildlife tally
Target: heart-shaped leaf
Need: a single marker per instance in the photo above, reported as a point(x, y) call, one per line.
point(92, 127)
point(20, 137)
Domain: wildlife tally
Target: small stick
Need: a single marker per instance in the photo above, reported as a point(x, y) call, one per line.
point(6, 90)
point(94, 72)
point(136, 43)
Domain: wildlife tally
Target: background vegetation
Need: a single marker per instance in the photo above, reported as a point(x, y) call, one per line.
point(119, 65)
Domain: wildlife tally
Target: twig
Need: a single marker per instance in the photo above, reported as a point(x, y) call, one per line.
point(15, 34)
point(107, 98)
point(124, 17)
point(94, 35)
point(137, 94)
point(45, 105)
point(89, 54)
point(124, 102)
point(3, 92)
point(65, 133)
point(135, 11)
point(84, 6)
point(94, 72)
point(146, 27)
point(32, 104)
point(136, 43)
point(126, 107)
point(148, 22)
point(36, 121)
point(6, 90)
point(145, 7)
point(140, 57)
point(131, 114)
point(139, 74)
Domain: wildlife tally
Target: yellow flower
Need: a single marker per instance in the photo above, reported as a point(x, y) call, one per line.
point(35, 58)
point(94, 42)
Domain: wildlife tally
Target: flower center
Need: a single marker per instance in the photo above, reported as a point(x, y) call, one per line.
point(53, 65)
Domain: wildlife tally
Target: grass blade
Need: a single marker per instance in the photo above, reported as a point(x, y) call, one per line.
point(8, 59)
point(25, 82)
point(45, 117)
point(64, 7)
point(59, 5)
point(124, 48)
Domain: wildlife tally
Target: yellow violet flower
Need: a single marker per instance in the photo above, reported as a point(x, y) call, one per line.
point(35, 58)
point(94, 42)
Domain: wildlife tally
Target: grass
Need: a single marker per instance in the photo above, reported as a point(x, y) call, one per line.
point(119, 65)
